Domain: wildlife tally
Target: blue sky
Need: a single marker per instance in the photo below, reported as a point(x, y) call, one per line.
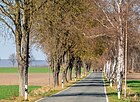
point(7, 47)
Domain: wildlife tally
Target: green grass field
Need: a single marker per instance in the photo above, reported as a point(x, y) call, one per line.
point(133, 85)
point(6, 92)
point(31, 70)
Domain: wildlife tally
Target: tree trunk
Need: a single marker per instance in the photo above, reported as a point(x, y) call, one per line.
point(132, 65)
point(126, 52)
point(56, 71)
point(88, 65)
point(84, 70)
point(120, 51)
point(22, 45)
point(21, 80)
point(56, 79)
point(113, 66)
point(70, 66)
point(76, 71)
point(64, 76)
point(70, 74)
point(79, 72)
point(120, 66)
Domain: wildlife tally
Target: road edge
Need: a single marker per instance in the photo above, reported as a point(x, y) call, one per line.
point(105, 88)
point(64, 89)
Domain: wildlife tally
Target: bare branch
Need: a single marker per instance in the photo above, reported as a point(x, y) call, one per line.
point(96, 36)
point(2, 9)
point(2, 20)
point(103, 24)
point(21, 4)
point(105, 14)
point(7, 3)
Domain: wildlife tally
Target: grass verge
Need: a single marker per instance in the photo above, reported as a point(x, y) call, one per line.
point(133, 92)
point(47, 91)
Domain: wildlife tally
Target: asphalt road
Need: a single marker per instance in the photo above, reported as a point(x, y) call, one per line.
point(91, 89)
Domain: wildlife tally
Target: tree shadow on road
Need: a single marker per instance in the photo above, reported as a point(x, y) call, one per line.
point(89, 85)
point(80, 94)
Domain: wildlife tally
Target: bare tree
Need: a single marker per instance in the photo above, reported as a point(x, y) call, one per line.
point(63, 35)
point(60, 35)
point(120, 15)
point(12, 58)
point(16, 15)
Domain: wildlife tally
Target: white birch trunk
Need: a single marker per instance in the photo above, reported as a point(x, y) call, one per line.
point(112, 72)
point(107, 68)
point(120, 51)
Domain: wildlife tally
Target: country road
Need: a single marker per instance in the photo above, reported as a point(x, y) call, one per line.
point(90, 89)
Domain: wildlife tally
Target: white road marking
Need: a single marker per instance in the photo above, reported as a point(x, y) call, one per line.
point(39, 99)
point(105, 89)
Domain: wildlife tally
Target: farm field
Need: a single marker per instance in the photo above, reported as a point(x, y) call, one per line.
point(9, 80)
point(39, 79)
point(37, 76)
point(31, 70)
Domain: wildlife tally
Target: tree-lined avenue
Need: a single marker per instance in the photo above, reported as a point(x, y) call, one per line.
point(90, 89)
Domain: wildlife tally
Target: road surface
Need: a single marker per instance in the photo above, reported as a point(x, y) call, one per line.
point(90, 89)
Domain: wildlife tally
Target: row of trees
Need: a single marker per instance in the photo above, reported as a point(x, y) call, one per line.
point(72, 33)
point(123, 20)
point(55, 23)
point(63, 32)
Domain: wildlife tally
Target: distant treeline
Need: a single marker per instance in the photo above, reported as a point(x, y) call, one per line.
point(35, 63)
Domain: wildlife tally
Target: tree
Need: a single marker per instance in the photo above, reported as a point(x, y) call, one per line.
point(12, 58)
point(62, 29)
point(60, 35)
point(118, 14)
point(16, 15)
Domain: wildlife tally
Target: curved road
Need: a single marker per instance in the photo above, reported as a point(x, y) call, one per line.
point(90, 89)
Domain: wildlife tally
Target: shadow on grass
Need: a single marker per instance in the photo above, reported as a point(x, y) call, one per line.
point(132, 95)
point(112, 94)
point(133, 81)
point(134, 86)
